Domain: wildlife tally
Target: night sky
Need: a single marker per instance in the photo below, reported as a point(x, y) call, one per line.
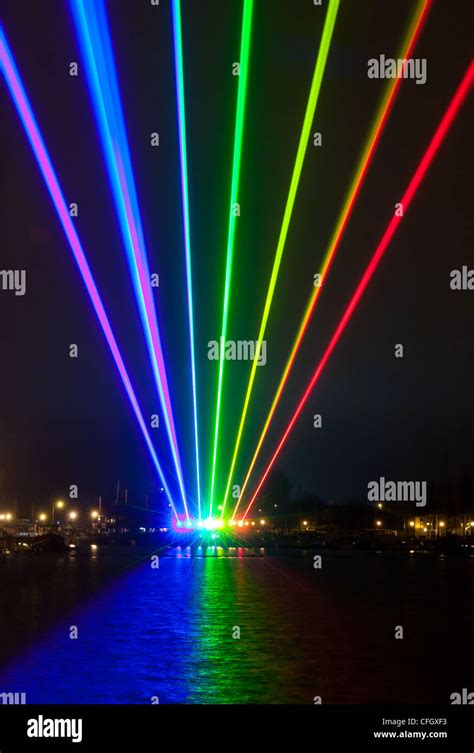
point(65, 421)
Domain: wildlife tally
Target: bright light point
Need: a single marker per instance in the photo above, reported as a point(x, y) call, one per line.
point(94, 546)
point(240, 524)
point(94, 514)
point(73, 515)
point(9, 516)
point(262, 522)
point(219, 507)
point(42, 517)
point(210, 524)
point(305, 522)
point(379, 523)
point(253, 522)
point(441, 524)
point(412, 523)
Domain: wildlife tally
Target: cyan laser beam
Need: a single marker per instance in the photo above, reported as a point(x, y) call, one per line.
point(25, 112)
point(183, 152)
point(92, 29)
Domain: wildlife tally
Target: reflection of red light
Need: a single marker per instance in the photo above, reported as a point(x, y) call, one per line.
point(406, 200)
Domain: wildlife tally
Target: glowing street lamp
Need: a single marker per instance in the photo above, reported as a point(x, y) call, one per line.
point(94, 514)
point(58, 505)
point(42, 517)
point(412, 524)
point(73, 515)
point(378, 523)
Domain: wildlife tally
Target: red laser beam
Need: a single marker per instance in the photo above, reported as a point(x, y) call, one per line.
point(356, 187)
point(438, 138)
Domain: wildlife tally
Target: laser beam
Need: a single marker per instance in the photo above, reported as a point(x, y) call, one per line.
point(319, 69)
point(91, 25)
point(236, 163)
point(180, 101)
point(25, 112)
point(368, 153)
point(436, 142)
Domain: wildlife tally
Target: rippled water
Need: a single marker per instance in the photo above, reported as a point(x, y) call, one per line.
point(303, 632)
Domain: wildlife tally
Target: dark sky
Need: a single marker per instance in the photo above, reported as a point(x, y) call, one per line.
point(66, 421)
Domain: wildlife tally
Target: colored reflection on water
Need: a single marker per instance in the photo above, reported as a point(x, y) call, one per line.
point(234, 629)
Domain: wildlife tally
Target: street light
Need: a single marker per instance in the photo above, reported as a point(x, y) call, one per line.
point(59, 504)
point(412, 523)
point(378, 523)
point(42, 517)
point(73, 515)
point(8, 516)
point(94, 514)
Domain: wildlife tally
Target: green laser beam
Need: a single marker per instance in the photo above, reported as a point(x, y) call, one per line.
point(236, 164)
point(319, 69)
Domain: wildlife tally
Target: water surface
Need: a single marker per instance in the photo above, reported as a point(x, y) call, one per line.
point(170, 633)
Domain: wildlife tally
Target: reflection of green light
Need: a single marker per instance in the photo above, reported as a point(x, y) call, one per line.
point(290, 202)
point(238, 138)
point(230, 591)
